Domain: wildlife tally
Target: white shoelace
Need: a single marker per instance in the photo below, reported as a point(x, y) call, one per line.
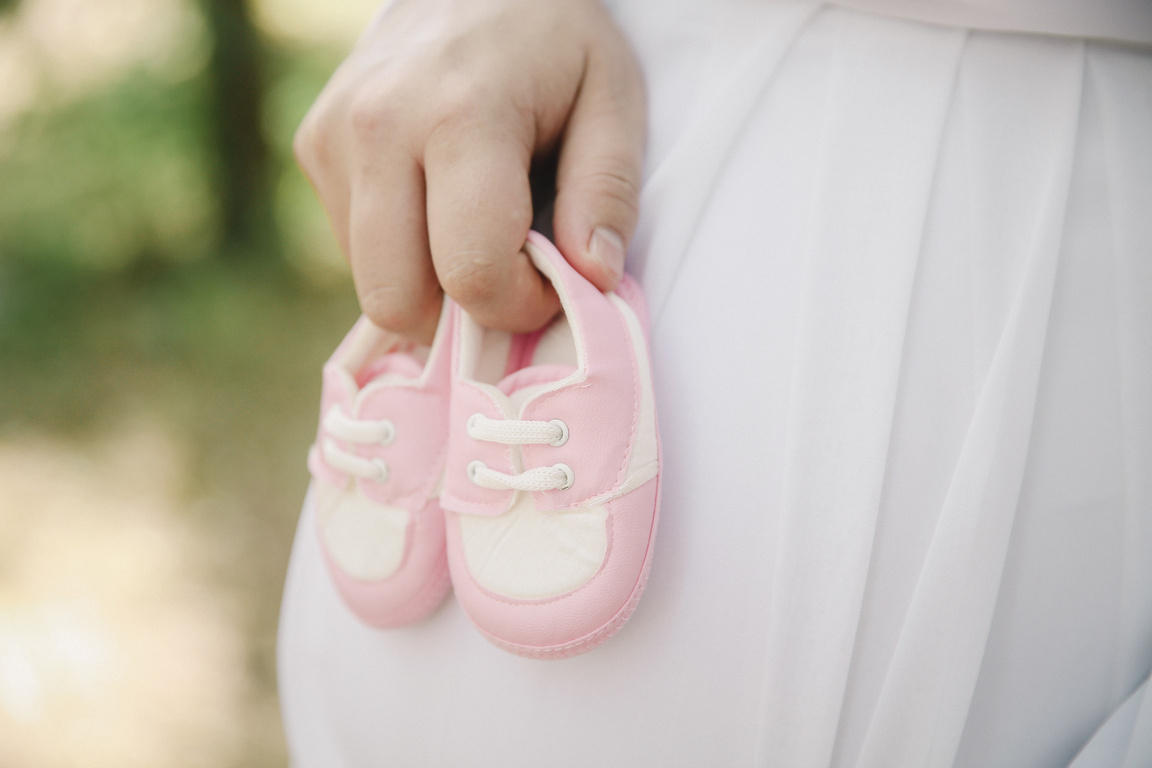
point(558, 477)
point(361, 432)
point(514, 432)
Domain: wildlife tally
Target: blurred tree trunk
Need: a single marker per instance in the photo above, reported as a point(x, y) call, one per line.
point(243, 167)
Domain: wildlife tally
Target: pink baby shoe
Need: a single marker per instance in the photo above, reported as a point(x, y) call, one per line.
point(551, 489)
point(377, 463)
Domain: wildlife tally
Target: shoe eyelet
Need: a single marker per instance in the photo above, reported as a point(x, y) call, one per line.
point(563, 433)
point(569, 476)
point(382, 473)
point(473, 466)
point(387, 433)
point(472, 421)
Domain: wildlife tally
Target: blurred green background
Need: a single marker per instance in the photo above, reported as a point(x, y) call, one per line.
point(169, 289)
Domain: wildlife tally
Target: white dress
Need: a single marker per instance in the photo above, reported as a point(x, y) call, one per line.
point(901, 286)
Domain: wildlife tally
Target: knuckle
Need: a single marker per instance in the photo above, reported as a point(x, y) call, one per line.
point(373, 114)
point(616, 182)
point(393, 308)
point(473, 279)
point(462, 99)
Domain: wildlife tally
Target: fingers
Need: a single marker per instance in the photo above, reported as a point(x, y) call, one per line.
point(479, 209)
point(322, 159)
point(601, 161)
point(420, 148)
point(387, 244)
point(373, 191)
point(391, 266)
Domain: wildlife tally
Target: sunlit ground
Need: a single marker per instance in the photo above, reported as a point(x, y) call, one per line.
point(116, 648)
point(145, 524)
point(155, 410)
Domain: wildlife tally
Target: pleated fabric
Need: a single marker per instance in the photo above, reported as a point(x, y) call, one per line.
point(1127, 21)
point(901, 286)
point(1125, 739)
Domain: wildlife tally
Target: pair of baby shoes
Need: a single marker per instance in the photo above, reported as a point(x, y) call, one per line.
point(520, 469)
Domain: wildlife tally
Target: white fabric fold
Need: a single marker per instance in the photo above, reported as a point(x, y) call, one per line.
point(1128, 190)
point(923, 705)
point(901, 288)
point(676, 193)
point(1122, 20)
point(861, 262)
point(1125, 738)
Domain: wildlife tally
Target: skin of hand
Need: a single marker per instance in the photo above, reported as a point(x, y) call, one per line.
point(420, 148)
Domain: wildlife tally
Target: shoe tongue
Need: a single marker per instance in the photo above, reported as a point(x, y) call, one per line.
point(526, 382)
point(533, 376)
point(395, 368)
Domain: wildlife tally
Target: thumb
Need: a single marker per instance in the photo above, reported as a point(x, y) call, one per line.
point(601, 161)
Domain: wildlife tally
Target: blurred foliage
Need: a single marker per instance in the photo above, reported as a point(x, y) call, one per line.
point(109, 180)
point(108, 247)
point(114, 304)
point(243, 167)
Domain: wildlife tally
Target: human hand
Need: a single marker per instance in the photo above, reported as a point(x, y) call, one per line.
point(420, 147)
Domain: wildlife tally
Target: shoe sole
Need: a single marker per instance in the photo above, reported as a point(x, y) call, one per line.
point(420, 605)
point(425, 602)
point(603, 633)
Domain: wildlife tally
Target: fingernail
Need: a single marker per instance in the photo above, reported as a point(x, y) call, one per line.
point(607, 247)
